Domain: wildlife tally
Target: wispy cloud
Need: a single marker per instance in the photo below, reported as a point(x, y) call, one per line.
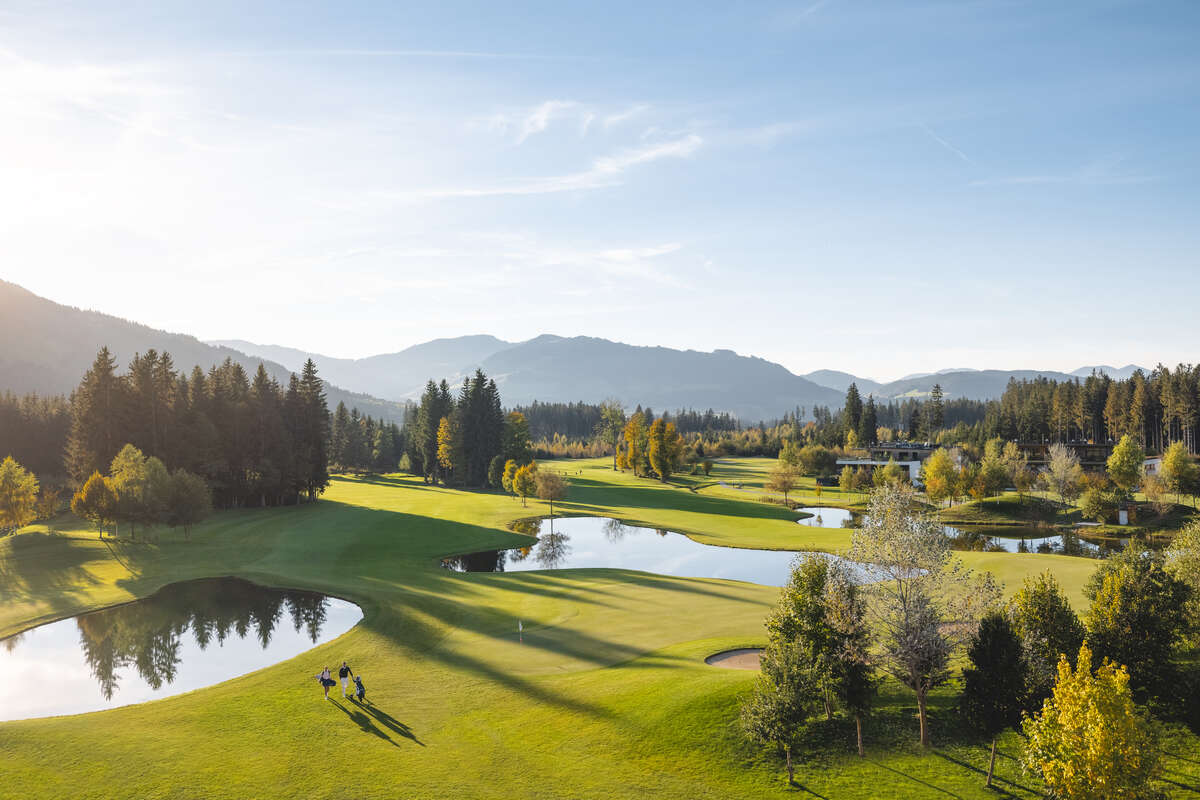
point(963, 156)
point(604, 172)
point(539, 119)
point(532, 121)
point(626, 115)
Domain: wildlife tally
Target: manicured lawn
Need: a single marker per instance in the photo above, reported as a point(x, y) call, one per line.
point(607, 697)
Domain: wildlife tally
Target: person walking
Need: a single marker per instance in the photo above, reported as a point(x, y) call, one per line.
point(326, 681)
point(344, 672)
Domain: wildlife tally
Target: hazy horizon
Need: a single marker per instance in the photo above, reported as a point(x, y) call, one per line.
point(874, 188)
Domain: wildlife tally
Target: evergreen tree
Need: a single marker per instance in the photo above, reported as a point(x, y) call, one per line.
point(852, 412)
point(98, 414)
point(338, 436)
point(994, 684)
point(937, 410)
point(867, 425)
point(313, 436)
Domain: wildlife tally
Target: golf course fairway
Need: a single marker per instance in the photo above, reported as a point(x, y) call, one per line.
point(605, 695)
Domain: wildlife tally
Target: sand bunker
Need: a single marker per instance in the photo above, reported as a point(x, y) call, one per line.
point(745, 658)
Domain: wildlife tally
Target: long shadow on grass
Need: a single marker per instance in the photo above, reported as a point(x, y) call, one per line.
point(502, 626)
point(534, 581)
point(365, 715)
point(914, 779)
point(591, 493)
point(47, 567)
point(983, 773)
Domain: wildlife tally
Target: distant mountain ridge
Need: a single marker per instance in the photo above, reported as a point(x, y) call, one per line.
point(556, 368)
point(976, 384)
point(46, 347)
point(397, 376)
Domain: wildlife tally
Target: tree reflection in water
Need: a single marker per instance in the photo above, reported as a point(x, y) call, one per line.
point(552, 550)
point(147, 635)
point(615, 530)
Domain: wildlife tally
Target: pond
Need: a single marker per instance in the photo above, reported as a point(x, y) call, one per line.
point(1015, 539)
point(998, 539)
point(826, 517)
point(575, 542)
point(184, 637)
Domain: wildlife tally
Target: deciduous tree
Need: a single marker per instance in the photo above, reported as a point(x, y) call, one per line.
point(190, 501)
point(784, 696)
point(509, 476)
point(665, 448)
point(1179, 470)
point(939, 473)
point(551, 487)
point(1183, 562)
point(924, 604)
point(783, 479)
point(525, 481)
point(1063, 473)
point(611, 425)
point(1126, 463)
point(1090, 742)
point(1048, 629)
point(95, 502)
point(18, 495)
point(1137, 618)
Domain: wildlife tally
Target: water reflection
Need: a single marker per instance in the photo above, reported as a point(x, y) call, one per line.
point(1029, 540)
point(826, 517)
point(590, 542)
point(183, 637)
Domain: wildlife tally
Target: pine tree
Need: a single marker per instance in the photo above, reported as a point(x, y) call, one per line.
point(937, 410)
point(868, 424)
point(314, 433)
point(98, 413)
point(852, 412)
point(994, 685)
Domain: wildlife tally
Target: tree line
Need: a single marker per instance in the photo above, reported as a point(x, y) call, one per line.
point(465, 440)
point(1156, 409)
point(360, 443)
point(253, 441)
point(835, 632)
point(33, 430)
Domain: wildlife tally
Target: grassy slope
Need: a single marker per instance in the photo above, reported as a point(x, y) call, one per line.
point(607, 697)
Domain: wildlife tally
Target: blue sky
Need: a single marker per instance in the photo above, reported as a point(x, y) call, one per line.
point(879, 187)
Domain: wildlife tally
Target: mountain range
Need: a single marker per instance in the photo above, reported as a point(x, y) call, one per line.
point(557, 368)
point(46, 347)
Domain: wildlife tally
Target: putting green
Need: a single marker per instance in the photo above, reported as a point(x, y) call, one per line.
point(608, 695)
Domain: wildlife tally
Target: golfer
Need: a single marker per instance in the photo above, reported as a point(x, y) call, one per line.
point(344, 672)
point(326, 681)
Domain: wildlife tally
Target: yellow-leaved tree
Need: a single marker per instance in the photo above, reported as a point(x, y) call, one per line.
point(1090, 742)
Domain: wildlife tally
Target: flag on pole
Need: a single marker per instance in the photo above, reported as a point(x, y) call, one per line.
point(520, 630)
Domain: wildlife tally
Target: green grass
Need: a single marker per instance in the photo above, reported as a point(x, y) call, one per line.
point(608, 696)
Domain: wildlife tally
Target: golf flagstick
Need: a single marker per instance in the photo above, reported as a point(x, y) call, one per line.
point(520, 631)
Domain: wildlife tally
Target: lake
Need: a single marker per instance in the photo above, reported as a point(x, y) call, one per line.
point(185, 636)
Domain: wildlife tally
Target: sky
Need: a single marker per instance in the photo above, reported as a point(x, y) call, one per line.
point(876, 187)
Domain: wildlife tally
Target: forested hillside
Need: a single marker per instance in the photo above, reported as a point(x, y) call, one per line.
point(45, 347)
